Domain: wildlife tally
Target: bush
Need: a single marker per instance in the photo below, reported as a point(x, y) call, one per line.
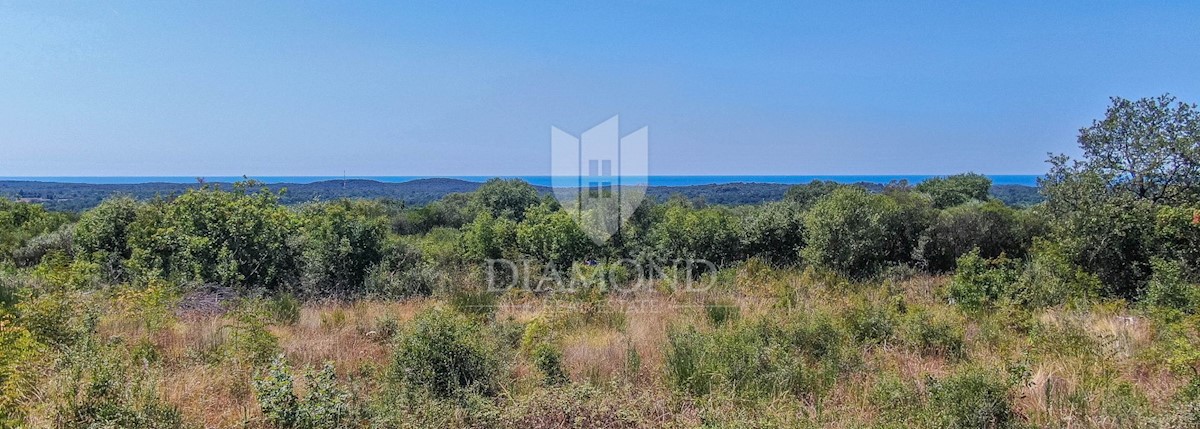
point(275, 395)
point(149, 305)
point(103, 387)
point(553, 237)
point(685, 233)
point(59, 241)
point(548, 360)
point(957, 189)
point(488, 237)
point(857, 233)
point(894, 397)
point(19, 356)
point(234, 238)
point(20, 222)
point(937, 336)
point(754, 360)
point(54, 318)
point(1177, 237)
point(972, 399)
point(249, 341)
point(103, 231)
point(980, 282)
point(870, 324)
point(1111, 237)
point(721, 312)
point(326, 405)
point(992, 227)
point(401, 274)
point(343, 240)
point(774, 231)
point(446, 355)
point(805, 195)
point(507, 199)
point(1049, 279)
point(1168, 288)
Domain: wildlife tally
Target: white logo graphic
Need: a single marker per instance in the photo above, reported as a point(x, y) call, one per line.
point(599, 178)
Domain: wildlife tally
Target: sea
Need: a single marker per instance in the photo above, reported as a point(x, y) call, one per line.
point(1000, 179)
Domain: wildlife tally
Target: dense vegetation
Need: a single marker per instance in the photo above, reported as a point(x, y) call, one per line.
point(78, 197)
point(933, 305)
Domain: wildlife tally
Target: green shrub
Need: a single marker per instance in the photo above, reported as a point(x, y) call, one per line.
point(553, 237)
point(446, 355)
point(102, 387)
point(992, 227)
point(36, 248)
point(238, 238)
point(687, 233)
point(326, 405)
point(955, 190)
point(971, 399)
point(502, 198)
point(401, 408)
point(249, 341)
point(980, 282)
point(894, 397)
point(343, 240)
point(1177, 236)
point(935, 335)
point(1049, 279)
point(384, 283)
point(1169, 289)
point(150, 305)
point(284, 309)
point(870, 323)
point(1062, 338)
point(275, 395)
point(807, 194)
point(775, 232)
point(102, 234)
point(54, 318)
point(20, 222)
point(754, 360)
point(548, 360)
point(857, 233)
point(20, 354)
point(402, 273)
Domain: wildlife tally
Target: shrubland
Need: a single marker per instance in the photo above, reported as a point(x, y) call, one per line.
point(917, 306)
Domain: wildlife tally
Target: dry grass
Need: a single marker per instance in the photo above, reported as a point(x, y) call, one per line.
point(217, 394)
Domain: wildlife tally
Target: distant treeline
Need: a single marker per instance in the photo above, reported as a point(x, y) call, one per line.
point(77, 197)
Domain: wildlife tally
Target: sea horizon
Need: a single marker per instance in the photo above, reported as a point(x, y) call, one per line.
point(539, 180)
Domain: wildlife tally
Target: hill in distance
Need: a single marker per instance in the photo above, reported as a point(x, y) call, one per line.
point(63, 196)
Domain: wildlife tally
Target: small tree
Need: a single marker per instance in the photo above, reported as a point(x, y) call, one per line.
point(238, 238)
point(342, 241)
point(505, 198)
point(845, 232)
point(1143, 155)
point(774, 231)
point(553, 237)
point(957, 189)
point(991, 227)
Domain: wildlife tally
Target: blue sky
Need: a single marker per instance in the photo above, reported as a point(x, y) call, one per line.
point(383, 88)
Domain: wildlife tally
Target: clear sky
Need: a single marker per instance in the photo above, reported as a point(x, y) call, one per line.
point(400, 88)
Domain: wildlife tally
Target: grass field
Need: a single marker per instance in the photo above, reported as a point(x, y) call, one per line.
point(763, 348)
